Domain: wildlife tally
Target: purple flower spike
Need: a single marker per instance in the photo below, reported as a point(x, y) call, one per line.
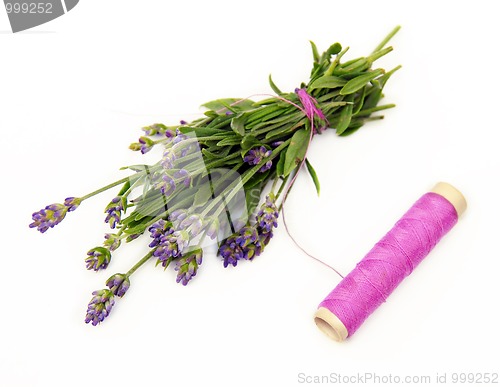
point(166, 185)
point(99, 306)
point(171, 246)
point(118, 284)
point(114, 211)
point(183, 176)
point(212, 229)
point(98, 258)
point(146, 144)
point(267, 217)
point(112, 241)
point(72, 203)
point(53, 214)
point(193, 224)
point(247, 236)
point(177, 215)
point(231, 252)
point(155, 129)
point(256, 155)
point(159, 230)
point(168, 159)
point(187, 266)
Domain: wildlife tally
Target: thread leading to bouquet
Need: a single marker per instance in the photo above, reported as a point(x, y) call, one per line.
point(392, 259)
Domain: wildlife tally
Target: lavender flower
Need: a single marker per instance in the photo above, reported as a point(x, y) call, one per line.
point(114, 211)
point(171, 246)
point(99, 306)
point(72, 203)
point(118, 284)
point(146, 144)
point(168, 159)
point(166, 185)
point(155, 129)
point(212, 229)
point(230, 251)
point(53, 214)
point(250, 241)
point(255, 155)
point(193, 224)
point(112, 241)
point(183, 177)
point(248, 235)
point(267, 217)
point(98, 258)
point(159, 230)
point(187, 266)
point(177, 215)
point(185, 149)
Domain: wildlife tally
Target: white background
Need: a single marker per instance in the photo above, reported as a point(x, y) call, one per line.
point(75, 92)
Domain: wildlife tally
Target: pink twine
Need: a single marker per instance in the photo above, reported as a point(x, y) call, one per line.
point(391, 260)
point(311, 109)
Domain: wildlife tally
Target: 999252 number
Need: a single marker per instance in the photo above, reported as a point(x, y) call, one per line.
point(28, 7)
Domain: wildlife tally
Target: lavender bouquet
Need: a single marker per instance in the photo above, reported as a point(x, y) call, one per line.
point(216, 170)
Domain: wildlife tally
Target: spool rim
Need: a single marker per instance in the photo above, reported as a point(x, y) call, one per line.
point(453, 195)
point(330, 324)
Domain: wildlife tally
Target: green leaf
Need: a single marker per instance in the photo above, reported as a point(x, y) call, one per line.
point(334, 49)
point(203, 194)
point(273, 86)
point(281, 163)
point(358, 101)
point(296, 150)
point(314, 176)
point(221, 104)
point(230, 140)
point(248, 142)
point(327, 82)
point(138, 229)
point(314, 51)
point(256, 179)
point(136, 168)
point(360, 81)
point(265, 111)
point(238, 124)
point(345, 116)
point(353, 127)
point(201, 132)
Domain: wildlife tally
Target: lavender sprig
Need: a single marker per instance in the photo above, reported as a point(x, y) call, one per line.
point(98, 258)
point(99, 306)
point(118, 284)
point(53, 214)
point(187, 266)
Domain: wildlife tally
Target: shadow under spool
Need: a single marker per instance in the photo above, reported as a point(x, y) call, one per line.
point(331, 324)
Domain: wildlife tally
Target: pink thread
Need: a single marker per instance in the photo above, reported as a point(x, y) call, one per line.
point(311, 109)
point(391, 260)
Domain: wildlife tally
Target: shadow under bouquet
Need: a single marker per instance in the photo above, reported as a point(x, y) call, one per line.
point(223, 178)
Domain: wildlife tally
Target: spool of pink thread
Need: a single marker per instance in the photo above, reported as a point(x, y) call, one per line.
point(392, 259)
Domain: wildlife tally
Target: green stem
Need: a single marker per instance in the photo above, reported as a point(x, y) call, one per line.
point(387, 38)
point(240, 183)
point(282, 186)
point(139, 264)
point(329, 70)
point(105, 188)
point(369, 111)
